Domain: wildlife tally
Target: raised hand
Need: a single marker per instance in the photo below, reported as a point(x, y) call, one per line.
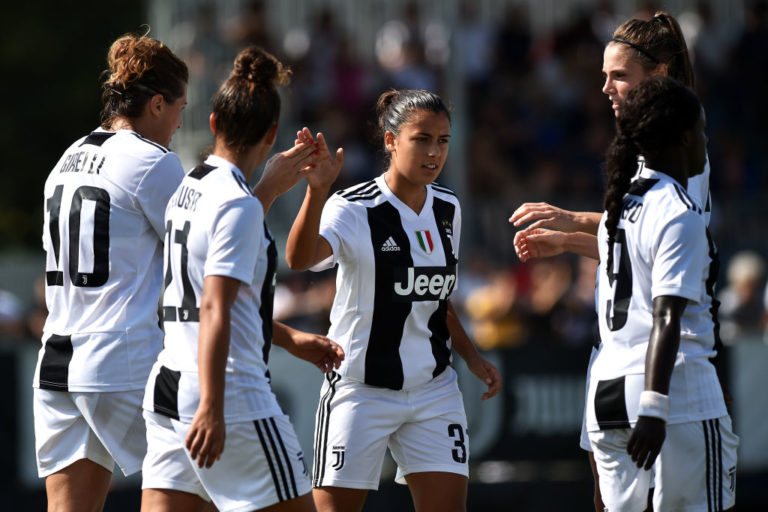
point(326, 168)
point(286, 168)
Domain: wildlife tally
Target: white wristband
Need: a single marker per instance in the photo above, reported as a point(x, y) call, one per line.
point(654, 404)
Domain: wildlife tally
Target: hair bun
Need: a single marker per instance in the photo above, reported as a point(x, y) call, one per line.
point(260, 67)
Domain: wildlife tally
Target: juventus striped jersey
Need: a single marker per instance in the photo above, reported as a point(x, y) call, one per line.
point(103, 230)
point(215, 227)
point(396, 271)
point(662, 247)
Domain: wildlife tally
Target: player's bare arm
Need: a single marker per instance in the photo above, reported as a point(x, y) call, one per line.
point(205, 440)
point(325, 354)
point(463, 346)
point(648, 435)
point(305, 247)
point(546, 243)
point(544, 215)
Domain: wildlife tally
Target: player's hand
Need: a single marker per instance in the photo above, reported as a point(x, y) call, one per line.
point(646, 440)
point(325, 354)
point(539, 243)
point(285, 169)
point(205, 439)
point(326, 168)
point(488, 373)
point(544, 215)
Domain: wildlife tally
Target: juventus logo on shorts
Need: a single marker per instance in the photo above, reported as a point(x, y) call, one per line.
point(338, 462)
point(732, 477)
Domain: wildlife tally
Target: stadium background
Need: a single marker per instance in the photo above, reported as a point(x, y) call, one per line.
point(529, 124)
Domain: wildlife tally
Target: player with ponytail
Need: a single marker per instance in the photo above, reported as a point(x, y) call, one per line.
point(638, 49)
point(104, 206)
point(654, 397)
point(215, 430)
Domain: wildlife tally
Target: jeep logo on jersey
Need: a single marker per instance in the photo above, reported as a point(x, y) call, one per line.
point(423, 283)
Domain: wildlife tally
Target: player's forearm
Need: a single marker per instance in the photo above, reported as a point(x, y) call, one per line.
point(663, 343)
point(284, 336)
point(587, 222)
point(460, 341)
point(213, 349)
point(583, 244)
point(301, 247)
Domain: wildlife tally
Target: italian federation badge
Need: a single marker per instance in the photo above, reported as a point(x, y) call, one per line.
point(425, 240)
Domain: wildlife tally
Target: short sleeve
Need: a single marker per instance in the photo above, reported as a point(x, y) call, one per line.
point(681, 255)
point(237, 236)
point(156, 188)
point(336, 225)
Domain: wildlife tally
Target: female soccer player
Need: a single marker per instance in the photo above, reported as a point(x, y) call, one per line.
point(653, 378)
point(104, 206)
point(639, 49)
point(396, 240)
point(210, 381)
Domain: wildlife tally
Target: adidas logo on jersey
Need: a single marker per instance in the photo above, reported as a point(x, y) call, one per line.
point(390, 245)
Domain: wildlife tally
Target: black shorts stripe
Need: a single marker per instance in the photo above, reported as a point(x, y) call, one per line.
point(713, 446)
point(283, 465)
point(286, 459)
point(166, 393)
point(270, 462)
point(54, 368)
point(718, 462)
point(321, 429)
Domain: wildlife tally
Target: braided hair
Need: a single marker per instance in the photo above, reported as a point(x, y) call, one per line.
point(653, 118)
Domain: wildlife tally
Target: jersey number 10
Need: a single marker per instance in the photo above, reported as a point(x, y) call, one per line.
point(99, 244)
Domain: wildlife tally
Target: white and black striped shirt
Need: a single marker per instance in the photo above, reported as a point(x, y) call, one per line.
point(104, 207)
point(396, 271)
point(662, 247)
point(215, 227)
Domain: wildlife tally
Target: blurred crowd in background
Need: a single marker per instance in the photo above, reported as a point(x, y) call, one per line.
point(534, 125)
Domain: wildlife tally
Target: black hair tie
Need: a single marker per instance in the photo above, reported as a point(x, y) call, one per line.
point(638, 48)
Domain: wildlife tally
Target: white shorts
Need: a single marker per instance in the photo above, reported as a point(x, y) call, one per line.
point(262, 463)
point(102, 427)
point(425, 429)
point(695, 470)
